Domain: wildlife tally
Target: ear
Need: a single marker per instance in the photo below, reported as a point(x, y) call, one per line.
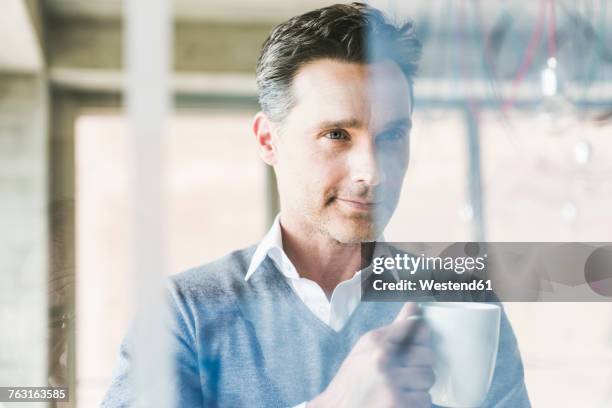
point(262, 129)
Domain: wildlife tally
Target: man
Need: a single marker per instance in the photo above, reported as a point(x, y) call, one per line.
point(281, 324)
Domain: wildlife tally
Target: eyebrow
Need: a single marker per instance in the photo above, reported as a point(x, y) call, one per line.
point(343, 123)
point(400, 123)
point(356, 123)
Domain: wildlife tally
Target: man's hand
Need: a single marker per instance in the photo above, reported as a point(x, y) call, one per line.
point(388, 367)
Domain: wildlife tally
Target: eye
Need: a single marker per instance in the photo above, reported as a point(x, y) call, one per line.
point(392, 135)
point(337, 134)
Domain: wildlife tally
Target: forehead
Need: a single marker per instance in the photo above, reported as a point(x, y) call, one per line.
point(375, 94)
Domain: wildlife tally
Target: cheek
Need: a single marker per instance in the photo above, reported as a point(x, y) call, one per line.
point(324, 176)
point(312, 175)
point(318, 165)
point(394, 164)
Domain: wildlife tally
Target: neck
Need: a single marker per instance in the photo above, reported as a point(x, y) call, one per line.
point(319, 257)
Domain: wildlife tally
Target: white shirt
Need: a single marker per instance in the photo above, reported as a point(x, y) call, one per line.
point(333, 312)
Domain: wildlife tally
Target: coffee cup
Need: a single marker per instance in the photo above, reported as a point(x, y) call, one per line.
point(465, 338)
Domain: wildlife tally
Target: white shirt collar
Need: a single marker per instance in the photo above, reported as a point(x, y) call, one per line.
point(272, 245)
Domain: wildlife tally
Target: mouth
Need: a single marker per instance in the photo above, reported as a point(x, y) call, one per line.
point(360, 205)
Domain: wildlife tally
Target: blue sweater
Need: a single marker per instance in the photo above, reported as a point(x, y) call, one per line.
point(255, 344)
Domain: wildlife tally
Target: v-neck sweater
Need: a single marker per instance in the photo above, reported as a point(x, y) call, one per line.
point(254, 343)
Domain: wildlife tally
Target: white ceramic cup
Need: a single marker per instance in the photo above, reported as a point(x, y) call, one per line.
point(465, 338)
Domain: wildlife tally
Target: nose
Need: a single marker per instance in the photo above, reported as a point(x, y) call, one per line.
point(366, 164)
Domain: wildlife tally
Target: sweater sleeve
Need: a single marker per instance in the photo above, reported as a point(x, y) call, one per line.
point(119, 393)
point(187, 386)
point(187, 373)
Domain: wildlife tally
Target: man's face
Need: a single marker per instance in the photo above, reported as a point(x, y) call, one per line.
point(341, 154)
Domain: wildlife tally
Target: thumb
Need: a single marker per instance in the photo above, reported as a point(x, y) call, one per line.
point(410, 310)
point(407, 321)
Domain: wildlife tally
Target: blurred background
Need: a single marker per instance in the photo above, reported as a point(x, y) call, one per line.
point(512, 142)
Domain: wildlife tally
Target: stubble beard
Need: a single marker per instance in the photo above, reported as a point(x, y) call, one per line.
point(345, 228)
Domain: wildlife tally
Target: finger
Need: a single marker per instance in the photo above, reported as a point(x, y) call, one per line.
point(409, 309)
point(412, 378)
point(422, 334)
point(402, 334)
point(415, 399)
point(416, 355)
point(404, 323)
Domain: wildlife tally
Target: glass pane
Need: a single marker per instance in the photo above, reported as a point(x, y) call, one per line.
point(546, 185)
point(434, 197)
point(212, 170)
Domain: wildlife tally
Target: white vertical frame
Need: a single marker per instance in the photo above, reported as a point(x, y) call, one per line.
point(148, 61)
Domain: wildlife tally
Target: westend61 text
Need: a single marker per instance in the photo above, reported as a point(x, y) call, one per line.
point(430, 284)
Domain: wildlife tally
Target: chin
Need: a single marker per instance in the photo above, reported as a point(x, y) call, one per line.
point(354, 232)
